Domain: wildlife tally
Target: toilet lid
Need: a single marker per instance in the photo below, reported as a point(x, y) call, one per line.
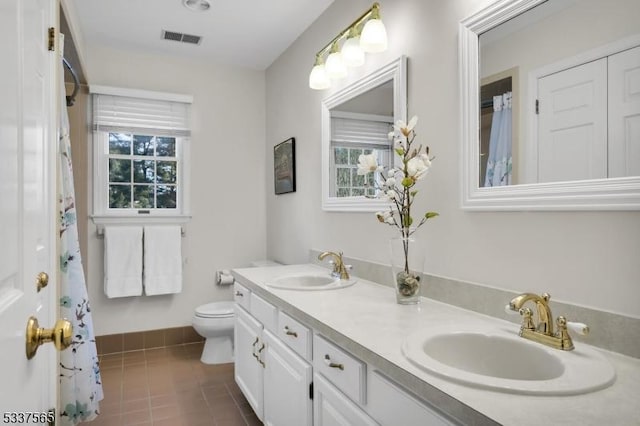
point(215, 310)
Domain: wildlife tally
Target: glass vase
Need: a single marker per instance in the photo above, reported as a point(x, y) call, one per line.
point(407, 261)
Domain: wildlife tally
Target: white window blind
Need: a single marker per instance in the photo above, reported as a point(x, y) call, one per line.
point(114, 113)
point(352, 132)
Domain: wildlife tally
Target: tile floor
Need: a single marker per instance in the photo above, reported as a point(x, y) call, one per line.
point(170, 386)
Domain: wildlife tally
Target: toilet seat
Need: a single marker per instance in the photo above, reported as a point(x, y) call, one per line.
point(215, 310)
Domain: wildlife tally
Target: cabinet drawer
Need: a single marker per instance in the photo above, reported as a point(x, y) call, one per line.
point(390, 405)
point(346, 372)
point(294, 335)
point(264, 312)
point(242, 296)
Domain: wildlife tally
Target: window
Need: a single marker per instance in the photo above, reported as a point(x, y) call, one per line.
point(351, 136)
point(141, 142)
point(143, 171)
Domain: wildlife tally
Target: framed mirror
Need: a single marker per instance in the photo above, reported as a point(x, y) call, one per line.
point(357, 120)
point(550, 106)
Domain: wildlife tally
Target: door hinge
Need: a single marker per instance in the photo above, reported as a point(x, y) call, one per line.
point(52, 39)
point(51, 417)
point(537, 106)
point(311, 390)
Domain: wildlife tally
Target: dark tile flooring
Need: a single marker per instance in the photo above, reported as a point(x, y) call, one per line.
point(170, 386)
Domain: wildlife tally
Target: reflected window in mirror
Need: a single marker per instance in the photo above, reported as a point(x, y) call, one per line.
point(573, 101)
point(352, 135)
point(356, 120)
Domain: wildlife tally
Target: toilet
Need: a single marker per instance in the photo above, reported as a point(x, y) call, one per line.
point(214, 322)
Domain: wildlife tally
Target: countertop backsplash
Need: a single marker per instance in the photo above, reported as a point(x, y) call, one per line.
point(607, 330)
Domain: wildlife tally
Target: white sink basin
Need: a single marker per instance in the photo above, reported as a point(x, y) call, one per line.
point(505, 362)
point(309, 282)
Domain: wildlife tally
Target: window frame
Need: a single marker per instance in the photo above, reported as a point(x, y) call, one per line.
point(102, 214)
point(103, 183)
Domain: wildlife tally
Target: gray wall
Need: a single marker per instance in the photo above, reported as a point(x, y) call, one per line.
point(583, 258)
point(227, 194)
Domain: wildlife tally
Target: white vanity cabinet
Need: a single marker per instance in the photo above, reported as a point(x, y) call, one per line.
point(274, 379)
point(248, 366)
point(293, 376)
point(333, 408)
point(287, 386)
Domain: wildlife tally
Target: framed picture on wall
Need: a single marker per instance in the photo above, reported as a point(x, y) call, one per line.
point(284, 166)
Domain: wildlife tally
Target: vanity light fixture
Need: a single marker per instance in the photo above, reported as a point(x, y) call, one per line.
point(365, 34)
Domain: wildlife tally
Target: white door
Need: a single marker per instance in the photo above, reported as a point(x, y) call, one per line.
point(27, 205)
point(249, 349)
point(624, 113)
point(287, 379)
point(572, 124)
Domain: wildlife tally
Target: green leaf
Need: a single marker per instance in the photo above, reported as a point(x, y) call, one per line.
point(407, 182)
point(408, 220)
point(429, 215)
point(413, 193)
point(400, 151)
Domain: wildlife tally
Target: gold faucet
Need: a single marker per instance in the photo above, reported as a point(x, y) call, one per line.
point(543, 332)
point(339, 269)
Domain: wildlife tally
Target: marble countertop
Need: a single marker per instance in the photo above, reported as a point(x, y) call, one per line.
point(366, 320)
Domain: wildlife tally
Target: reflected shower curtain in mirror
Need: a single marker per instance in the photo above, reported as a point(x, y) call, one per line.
point(80, 383)
point(499, 163)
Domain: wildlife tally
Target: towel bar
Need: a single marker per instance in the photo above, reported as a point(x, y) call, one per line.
point(100, 230)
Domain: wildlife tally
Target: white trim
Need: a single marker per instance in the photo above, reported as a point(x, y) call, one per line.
point(100, 176)
point(596, 194)
point(395, 71)
point(137, 93)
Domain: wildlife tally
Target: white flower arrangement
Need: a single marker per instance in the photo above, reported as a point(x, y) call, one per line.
point(398, 183)
point(398, 187)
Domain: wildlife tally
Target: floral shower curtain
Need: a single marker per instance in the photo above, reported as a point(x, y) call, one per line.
point(499, 163)
point(80, 383)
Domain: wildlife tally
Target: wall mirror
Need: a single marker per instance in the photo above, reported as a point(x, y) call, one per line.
point(357, 120)
point(550, 105)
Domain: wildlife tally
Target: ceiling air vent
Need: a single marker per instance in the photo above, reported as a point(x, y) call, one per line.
point(185, 38)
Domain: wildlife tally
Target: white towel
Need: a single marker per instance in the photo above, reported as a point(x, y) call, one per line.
point(122, 261)
point(162, 260)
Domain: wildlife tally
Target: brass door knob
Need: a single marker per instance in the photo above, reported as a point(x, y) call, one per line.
point(60, 335)
point(42, 280)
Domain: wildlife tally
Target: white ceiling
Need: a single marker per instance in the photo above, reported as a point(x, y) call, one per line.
point(247, 33)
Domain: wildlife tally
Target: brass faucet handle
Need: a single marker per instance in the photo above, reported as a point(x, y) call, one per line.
point(565, 342)
point(578, 327)
point(527, 319)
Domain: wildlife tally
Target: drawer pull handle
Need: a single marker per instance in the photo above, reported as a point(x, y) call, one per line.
point(289, 332)
point(253, 351)
point(239, 294)
point(327, 360)
point(258, 358)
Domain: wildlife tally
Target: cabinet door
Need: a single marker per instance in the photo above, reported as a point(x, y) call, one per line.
point(333, 408)
point(287, 379)
point(248, 369)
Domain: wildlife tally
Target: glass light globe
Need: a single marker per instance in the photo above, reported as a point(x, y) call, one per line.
point(352, 53)
point(374, 36)
point(335, 66)
point(318, 79)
